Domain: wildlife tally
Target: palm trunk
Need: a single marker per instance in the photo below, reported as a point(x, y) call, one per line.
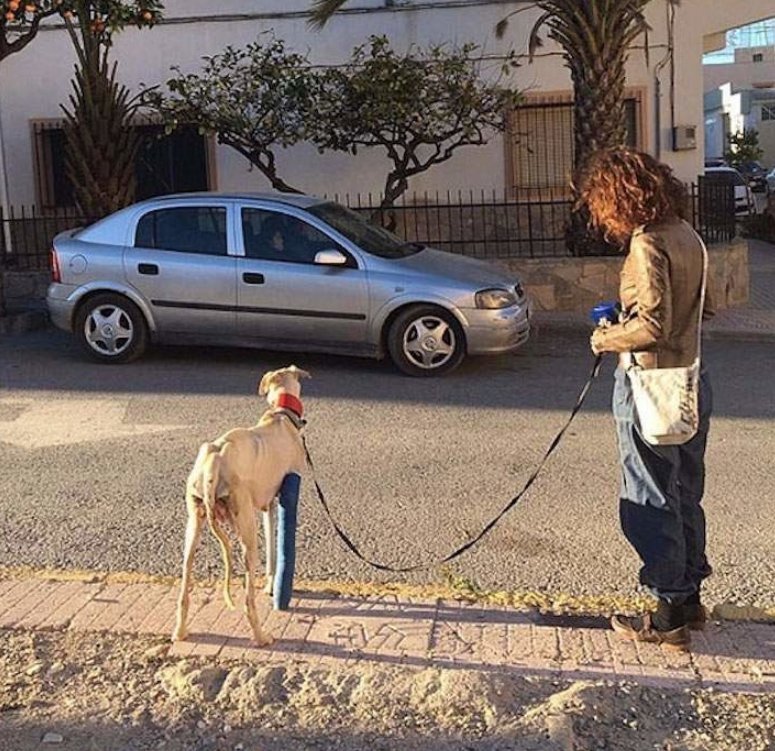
point(101, 144)
point(599, 122)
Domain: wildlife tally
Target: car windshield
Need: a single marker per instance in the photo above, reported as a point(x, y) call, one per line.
point(369, 237)
point(725, 177)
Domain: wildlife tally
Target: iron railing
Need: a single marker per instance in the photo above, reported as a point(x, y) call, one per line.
point(477, 224)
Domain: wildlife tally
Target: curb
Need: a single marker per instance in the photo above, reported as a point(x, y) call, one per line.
point(556, 603)
point(23, 322)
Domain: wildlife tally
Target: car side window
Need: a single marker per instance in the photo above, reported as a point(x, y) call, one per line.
point(273, 236)
point(185, 229)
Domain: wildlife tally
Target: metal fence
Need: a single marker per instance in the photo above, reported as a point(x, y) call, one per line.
point(478, 224)
point(27, 232)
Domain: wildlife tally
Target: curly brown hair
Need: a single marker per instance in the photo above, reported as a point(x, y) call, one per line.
point(625, 189)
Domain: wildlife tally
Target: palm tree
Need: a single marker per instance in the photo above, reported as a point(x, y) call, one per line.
point(101, 144)
point(595, 37)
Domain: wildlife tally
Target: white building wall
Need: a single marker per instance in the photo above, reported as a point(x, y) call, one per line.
point(34, 82)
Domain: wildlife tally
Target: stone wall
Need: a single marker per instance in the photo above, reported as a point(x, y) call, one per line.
point(555, 284)
point(578, 284)
point(25, 289)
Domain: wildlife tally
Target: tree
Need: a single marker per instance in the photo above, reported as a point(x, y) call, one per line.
point(101, 143)
point(254, 99)
point(595, 37)
point(743, 147)
point(420, 107)
point(21, 21)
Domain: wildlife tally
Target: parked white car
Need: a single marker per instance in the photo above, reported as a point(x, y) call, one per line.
point(745, 205)
point(771, 182)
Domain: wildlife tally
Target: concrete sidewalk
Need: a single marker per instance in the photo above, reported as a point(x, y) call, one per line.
point(333, 631)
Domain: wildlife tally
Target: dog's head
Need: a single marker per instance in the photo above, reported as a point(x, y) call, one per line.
point(282, 381)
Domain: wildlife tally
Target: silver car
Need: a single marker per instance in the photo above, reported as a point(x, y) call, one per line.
point(277, 271)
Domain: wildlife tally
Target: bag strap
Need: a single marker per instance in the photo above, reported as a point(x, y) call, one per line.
point(702, 288)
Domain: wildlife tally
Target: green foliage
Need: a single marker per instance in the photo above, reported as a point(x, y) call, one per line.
point(20, 22)
point(255, 99)
point(595, 37)
point(743, 147)
point(420, 107)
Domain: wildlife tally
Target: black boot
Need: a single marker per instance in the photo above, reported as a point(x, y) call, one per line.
point(667, 627)
point(694, 613)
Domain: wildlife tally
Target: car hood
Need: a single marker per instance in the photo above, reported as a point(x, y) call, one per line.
point(457, 268)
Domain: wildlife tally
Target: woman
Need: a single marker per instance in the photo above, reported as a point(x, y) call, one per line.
point(639, 204)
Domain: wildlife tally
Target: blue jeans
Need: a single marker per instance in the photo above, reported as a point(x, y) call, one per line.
point(660, 498)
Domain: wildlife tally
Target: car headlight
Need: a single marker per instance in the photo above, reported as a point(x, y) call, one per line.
point(494, 299)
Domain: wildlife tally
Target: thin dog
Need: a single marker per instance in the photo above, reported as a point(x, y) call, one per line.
point(235, 476)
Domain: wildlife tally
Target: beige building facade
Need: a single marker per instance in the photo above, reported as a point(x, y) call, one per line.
point(741, 95)
point(665, 92)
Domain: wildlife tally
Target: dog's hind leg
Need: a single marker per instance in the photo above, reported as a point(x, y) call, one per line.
point(247, 532)
point(270, 545)
point(193, 533)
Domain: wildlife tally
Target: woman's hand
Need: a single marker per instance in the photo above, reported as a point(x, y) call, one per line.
point(596, 341)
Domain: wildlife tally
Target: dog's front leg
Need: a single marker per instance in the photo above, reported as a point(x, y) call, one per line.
point(193, 533)
point(270, 545)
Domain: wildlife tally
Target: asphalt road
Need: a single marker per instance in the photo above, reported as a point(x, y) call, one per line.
point(93, 461)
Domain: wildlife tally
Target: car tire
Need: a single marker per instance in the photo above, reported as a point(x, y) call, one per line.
point(111, 329)
point(425, 340)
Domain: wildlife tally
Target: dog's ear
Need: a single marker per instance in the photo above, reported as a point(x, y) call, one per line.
point(264, 383)
point(298, 372)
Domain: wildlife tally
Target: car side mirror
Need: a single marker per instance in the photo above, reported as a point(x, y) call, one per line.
point(330, 257)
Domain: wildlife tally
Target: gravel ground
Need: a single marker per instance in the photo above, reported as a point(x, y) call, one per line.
point(95, 692)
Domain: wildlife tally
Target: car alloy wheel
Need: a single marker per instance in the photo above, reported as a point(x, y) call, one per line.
point(111, 329)
point(426, 341)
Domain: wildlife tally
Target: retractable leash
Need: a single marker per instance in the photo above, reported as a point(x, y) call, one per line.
point(513, 502)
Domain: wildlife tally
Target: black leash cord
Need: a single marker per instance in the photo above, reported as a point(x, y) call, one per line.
point(513, 502)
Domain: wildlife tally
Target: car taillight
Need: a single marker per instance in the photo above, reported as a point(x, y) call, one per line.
point(56, 273)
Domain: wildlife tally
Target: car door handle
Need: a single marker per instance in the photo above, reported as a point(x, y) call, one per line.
point(150, 269)
point(250, 278)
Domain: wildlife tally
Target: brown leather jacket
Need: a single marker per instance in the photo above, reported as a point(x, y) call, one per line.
point(660, 296)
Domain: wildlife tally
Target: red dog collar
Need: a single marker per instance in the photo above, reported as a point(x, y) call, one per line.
point(289, 401)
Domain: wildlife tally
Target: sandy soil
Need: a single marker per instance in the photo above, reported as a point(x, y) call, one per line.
point(94, 692)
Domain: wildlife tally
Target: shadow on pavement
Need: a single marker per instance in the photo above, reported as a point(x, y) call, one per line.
point(546, 374)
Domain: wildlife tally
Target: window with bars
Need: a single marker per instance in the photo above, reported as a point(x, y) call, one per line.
point(174, 163)
point(768, 111)
point(540, 143)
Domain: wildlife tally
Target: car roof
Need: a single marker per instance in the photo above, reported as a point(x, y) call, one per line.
point(300, 200)
point(120, 221)
point(720, 169)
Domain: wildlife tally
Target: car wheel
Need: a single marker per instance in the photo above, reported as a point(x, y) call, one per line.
point(426, 341)
point(111, 329)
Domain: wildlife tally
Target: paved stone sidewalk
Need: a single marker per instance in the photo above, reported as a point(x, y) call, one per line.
point(329, 630)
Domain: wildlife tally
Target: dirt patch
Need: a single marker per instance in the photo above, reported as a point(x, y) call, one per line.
point(94, 692)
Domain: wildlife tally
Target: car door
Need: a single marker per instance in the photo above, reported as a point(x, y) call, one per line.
point(180, 263)
point(283, 295)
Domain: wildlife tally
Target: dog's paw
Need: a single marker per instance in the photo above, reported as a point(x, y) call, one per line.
point(179, 634)
point(263, 640)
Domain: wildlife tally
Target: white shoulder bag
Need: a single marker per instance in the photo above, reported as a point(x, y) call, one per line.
point(667, 399)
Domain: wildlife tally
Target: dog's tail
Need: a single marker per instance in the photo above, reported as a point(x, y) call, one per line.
point(211, 474)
